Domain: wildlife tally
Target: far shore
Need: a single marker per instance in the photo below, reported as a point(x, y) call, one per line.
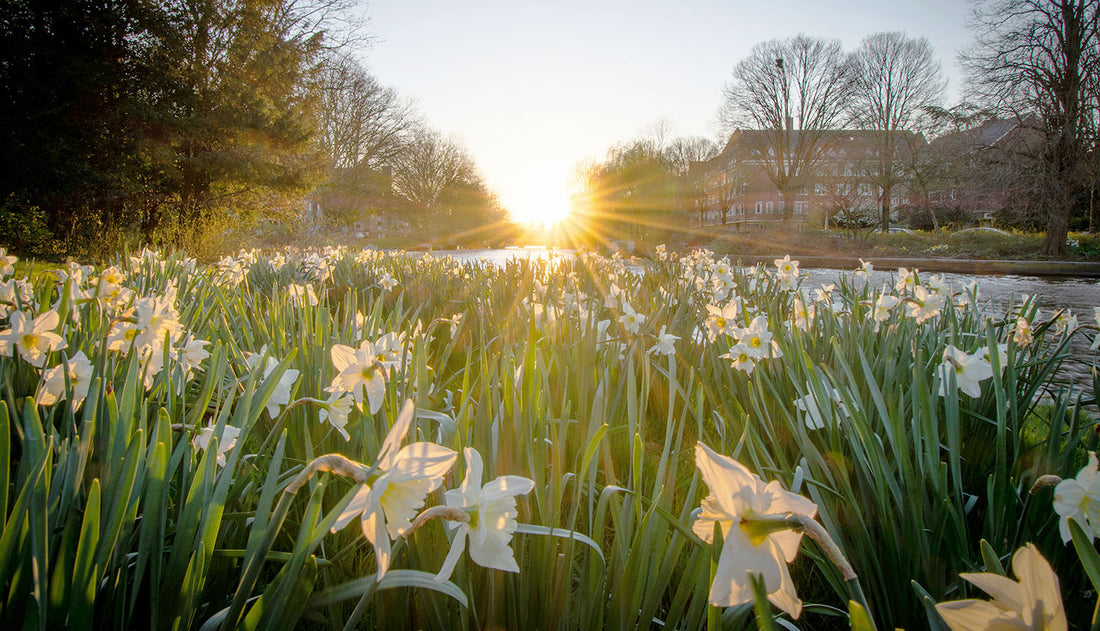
point(1077, 269)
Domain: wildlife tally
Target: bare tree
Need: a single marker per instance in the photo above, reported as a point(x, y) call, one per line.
point(895, 79)
point(686, 158)
point(731, 186)
point(360, 122)
point(683, 151)
point(795, 91)
point(427, 165)
point(658, 134)
point(847, 208)
point(1039, 57)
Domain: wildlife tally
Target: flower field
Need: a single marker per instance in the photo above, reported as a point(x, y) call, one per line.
point(340, 439)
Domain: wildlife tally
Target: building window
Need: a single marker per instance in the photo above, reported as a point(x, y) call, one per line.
point(800, 208)
point(769, 208)
point(759, 207)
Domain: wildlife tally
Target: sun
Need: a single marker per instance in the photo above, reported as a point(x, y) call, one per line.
point(539, 206)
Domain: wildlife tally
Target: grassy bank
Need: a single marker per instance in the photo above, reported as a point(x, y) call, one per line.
point(967, 244)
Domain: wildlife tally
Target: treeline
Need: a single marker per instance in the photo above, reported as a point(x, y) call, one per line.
point(634, 191)
point(1037, 62)
point(163, 121)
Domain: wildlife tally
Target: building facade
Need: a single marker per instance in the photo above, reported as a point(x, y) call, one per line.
point(840, 179)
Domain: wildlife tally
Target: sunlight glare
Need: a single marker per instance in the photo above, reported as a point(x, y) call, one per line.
point(541, 206)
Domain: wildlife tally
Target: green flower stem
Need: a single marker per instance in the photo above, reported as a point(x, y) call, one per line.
point(332, 463)
point(361, 607)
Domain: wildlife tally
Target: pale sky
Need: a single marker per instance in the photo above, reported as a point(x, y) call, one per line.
point(533, 88)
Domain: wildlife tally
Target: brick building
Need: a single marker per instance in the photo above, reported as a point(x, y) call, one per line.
point(842, 180)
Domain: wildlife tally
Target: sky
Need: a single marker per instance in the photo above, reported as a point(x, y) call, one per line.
point(534, 88)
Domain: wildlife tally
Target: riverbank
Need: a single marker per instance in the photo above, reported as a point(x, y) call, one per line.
point(1072, 269)
point(975, 244)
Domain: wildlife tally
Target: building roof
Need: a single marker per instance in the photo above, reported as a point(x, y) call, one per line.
point(841, 144)
point(989, 134)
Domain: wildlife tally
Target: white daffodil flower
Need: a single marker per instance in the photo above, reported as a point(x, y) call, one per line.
point(226, 441)
point(190, 355)
point(33, 338)
point(785, 267)
point(906, 279)
point(386, 508)
point(814, 417)
point(13, 293)
point(803, 313)
point(361, 373)
point(302, 295)
point(281, 395)
point(1065, 323)
point(740, 358)
point(666, 343)
point(156, 317)
point(721, 320)
point(1032, 602)
point(736, 497)
point(883, 306)
point(335, 412)
point(7, 263)
point(864, 270)
point(614, 296)
point(1079, 499)
point(1021, 334)
point(924, 304)
point(387, 282)
point(757, 340)
point(492, 510)
point(631, 320)
point(970, 371)
point(79, 370)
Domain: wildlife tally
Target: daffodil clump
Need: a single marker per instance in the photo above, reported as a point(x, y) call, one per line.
point(336, 438)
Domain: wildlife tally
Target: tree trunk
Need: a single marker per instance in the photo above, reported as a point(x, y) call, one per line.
point(884, 204)
point(932, 212)
point(1054, 242)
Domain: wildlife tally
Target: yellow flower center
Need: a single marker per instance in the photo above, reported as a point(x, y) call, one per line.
point(756, 342)
point(30, 341)
point(758, 531)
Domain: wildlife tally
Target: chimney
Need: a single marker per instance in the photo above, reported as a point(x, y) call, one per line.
point(790, 122)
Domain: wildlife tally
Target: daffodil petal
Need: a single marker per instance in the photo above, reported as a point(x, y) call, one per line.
point(342, 357)
point(357, 505)
point(396, 435)
point(458, 545)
